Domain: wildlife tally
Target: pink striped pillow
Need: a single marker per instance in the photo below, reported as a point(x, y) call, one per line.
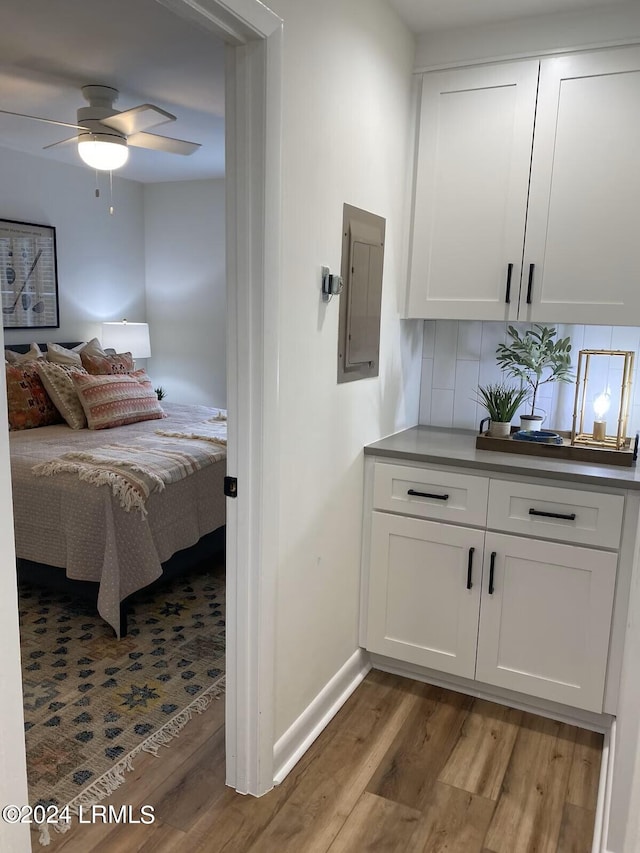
point(115, 400)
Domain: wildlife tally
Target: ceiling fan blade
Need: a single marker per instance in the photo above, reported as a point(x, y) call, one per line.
point(62, 142)
point(38, 118)
point(162, 143)
point(137, 119)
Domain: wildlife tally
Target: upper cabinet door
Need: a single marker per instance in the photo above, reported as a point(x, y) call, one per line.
point(582, 226)
point(472, 178)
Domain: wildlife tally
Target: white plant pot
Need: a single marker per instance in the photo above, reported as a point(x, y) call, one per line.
point(531, 422)
point(500, 429)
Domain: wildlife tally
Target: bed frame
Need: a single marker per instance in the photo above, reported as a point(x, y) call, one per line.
point(209, 548)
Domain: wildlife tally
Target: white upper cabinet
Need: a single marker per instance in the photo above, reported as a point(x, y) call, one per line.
point(572, 243)
point(582, 224)
point(472, 179)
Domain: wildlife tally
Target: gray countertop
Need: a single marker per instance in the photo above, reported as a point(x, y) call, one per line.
point(457, 447)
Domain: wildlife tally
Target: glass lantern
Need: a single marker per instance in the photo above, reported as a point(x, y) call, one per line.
point(603, 396)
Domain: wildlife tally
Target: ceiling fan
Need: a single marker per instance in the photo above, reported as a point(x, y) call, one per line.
point(105, 134)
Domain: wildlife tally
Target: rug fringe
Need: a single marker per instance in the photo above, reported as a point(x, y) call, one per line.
point(115, 777)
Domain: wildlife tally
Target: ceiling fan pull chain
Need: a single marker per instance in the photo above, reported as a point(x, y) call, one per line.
point(111, 208)
point(97, 185)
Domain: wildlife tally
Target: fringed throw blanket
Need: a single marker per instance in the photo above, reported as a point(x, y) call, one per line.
point(133, 472)
point(214, 430)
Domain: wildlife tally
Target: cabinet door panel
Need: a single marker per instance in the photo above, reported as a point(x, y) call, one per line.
point(472, 176)
point(545, 629)
point(585, 190)
point(420, 609)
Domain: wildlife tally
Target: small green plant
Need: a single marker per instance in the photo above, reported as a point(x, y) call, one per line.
point(536, 358)
point(160, 392)
point(501, 401)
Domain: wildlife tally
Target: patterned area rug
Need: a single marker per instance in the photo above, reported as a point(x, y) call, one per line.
point(91, 702)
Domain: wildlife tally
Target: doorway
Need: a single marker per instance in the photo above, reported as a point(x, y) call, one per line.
point(253, 36)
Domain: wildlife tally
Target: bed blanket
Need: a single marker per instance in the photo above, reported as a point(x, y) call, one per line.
point(214, 430)
point(134, 472)
point(65, 521)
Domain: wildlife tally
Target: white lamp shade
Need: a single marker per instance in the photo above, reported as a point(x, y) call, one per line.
point(127, 337)
point(103, 152)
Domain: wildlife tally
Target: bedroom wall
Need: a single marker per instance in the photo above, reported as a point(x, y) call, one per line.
point(615, 22)
point(346, 138)
point(186, 289)
point(100, 257)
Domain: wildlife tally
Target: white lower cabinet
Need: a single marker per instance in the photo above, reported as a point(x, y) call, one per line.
point(523, 614)
point(423, 601)
point(545, 618)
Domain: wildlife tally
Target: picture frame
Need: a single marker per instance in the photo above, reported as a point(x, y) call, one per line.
point(28, 275)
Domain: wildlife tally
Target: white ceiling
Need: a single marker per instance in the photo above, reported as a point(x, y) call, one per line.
point(50, 48)
point(428, 15)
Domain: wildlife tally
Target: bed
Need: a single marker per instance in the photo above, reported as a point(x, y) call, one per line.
point(62, 522)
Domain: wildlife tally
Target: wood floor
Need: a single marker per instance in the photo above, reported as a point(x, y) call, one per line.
point(403, 768)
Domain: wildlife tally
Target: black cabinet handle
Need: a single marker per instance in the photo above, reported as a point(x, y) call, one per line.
point(492, 568)
point(470, 568)
point(427, 495)
point(507, 296)
point(530, 285)
point(570, 516)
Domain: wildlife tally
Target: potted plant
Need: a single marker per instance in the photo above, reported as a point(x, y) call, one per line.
point(535, 358)
point(501, 402)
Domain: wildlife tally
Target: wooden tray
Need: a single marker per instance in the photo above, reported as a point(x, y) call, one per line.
point(566, 450)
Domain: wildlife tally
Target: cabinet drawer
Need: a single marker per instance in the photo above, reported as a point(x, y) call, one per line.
point(426, 493)
point(548, 512)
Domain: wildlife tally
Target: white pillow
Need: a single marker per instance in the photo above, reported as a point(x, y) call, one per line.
point(94, 347)
point(20, 357)
point(61, 355)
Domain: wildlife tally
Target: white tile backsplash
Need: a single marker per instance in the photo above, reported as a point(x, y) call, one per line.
point(469, 339)
point(460, 355)
point(425, 390)
point(442, 407)
point(428, 338)
point(464, 395)
point(597, 337)
point(445, 354)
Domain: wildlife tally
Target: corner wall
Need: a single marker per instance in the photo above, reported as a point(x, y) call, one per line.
point(184, 248)
point(100, 257)
point(347, 122)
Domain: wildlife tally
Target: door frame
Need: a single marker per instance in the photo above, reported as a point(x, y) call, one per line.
point(253, 35)
point(253, 134)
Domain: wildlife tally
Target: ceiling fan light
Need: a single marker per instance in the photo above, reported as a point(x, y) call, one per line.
point(105, 154)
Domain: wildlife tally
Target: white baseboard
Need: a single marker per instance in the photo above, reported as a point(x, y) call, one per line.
point(601, 823)
point(541, 707)
point(301, 734)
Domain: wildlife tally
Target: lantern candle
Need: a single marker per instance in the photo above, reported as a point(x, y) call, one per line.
point(601, 407)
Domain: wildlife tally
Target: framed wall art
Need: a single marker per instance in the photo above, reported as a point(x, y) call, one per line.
point(28, 275)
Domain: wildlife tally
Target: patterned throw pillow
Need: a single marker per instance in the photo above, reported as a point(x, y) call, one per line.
point(104, 365)
point(116, 400)
point(29, 404)
point(58, 384)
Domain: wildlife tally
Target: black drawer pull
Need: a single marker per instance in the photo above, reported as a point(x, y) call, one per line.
point(470, 568)
point(530, 284)
point(428, 495)
point(507, 296)
point(492, 568)
point(570, 516)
